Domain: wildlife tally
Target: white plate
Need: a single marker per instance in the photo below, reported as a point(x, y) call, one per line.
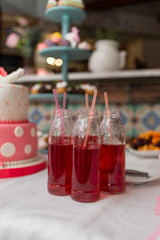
point(147, 153)
point(141, 180)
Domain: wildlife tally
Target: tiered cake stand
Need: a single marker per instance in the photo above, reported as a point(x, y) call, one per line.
point(66, 16)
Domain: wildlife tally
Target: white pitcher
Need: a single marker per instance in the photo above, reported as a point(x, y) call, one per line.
point(107, 57)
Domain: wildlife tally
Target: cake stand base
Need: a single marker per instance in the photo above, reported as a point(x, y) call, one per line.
point(20, 170)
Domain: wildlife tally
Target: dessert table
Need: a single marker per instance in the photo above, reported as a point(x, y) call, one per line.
point(28, 212)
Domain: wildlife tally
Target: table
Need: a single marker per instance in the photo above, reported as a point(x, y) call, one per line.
point(28, 212)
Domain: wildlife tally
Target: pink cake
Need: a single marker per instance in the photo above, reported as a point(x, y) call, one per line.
point(18, 140)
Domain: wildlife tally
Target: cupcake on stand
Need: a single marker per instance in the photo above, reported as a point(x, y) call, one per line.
point(61, 87)
point(89, 89)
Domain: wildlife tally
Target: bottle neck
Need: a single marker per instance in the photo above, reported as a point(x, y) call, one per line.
point(62, 113)
point(111, 114)
point(85, 113)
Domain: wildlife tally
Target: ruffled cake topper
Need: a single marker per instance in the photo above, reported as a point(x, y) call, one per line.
point(10, 78)
point(3, 73)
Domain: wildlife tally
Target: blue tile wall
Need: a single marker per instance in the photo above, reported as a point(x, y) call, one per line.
point(137, 118)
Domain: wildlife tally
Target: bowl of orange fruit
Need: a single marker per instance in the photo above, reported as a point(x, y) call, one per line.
point(146, 144)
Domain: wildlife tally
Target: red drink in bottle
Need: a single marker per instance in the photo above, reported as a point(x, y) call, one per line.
point(86, 157)
point(112, 165)
point(59, 167)
point(85, 174)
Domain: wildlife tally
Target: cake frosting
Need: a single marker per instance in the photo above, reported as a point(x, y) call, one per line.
point(18, 141)
point(14, 102)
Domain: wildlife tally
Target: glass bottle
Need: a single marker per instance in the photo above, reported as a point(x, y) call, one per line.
point(60, 153)
point(86, 159)
point(112, 161)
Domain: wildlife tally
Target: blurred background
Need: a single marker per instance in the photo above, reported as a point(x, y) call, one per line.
point(136, 22)
point(133, 87)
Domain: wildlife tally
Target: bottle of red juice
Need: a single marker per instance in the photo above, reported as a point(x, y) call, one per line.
point(86, 159)
point(60, 153)
point(112, 160)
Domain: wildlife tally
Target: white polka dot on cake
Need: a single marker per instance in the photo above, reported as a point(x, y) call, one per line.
point(8, 149)
point(33, 132)
point(18, 131)
point(28, 149)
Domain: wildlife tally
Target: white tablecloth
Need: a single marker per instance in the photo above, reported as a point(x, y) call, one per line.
point(29, 212)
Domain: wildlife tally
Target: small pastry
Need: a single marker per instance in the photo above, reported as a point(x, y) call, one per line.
point(51, 3)
point(35, 88)
point(56, 37)
point(50, 43)
point(61, 87)
point(72, 3)
point(42, 72)
point(65, 42)
point(41, 46)
point(88, 88)
point(85, 45)
point(60, 3)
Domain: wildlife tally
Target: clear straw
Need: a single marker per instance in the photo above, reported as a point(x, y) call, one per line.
point(64, 100)
point(87, 101)
point(90, 118)
point(59, 113)
point(109, 116)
